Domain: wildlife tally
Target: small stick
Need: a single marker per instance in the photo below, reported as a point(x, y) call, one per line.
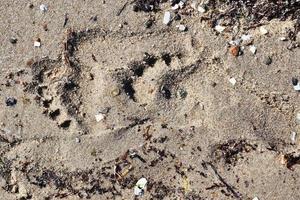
point(121, 9)
point(229, 187)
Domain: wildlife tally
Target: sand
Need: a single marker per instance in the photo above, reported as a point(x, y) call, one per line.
point(167, 110)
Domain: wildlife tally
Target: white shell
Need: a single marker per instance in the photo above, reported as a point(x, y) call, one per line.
point(167, 18)
point(140, 186)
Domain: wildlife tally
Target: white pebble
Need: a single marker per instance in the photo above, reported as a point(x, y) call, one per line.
point(220, 28)
point(167, 18)
point(232, 81)
point(175, 7)
point(263, 30)
point(36, 44)
point(181, 27)
point(246, 37)
point(99, 117)
point(283, 39)
point(43, 8)
point(297, 87)
point(255, 198)
point(293, 137)
point(201, 9)
point(252, 49)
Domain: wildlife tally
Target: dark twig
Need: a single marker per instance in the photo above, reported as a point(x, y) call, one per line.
point(229, 187)
point(121, 9)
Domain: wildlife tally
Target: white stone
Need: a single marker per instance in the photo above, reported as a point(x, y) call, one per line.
point(99, 117)
point(246, 37)
point(252, 48)
point(36, 44)
point(140, 187)
point(263, 30)
point(175, 7)
point(194, 5)
point(232, 81)
point(293, 137)
point(181, 4)
point(201, 9)
point(297, 87)
point(167, 18)
point(220, 28)
point(181, 27)
point(283, 39)
point(255, 198)
point(43, 8)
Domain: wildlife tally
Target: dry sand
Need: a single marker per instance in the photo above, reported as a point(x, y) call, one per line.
point(170, 113)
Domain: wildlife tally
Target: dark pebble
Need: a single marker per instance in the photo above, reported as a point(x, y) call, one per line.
point(10, 101)
point(148, 23)
point(177, 17)
point(268, 60)
point(294, 81)
point(13, 40)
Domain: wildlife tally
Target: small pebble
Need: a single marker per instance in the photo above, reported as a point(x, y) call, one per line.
point(140, 187)
point(167, 18)
point(294, 81)
point(181, 27)
point(43, 8)
point(293, 137)
point(10, 101)
point(220, 28)
point(252, 49)
point(148, 23)
point(268, 60)
point(99, 117)
point(263, 30)
point(283, 39)
point(234, 50)
point(37, 43)
point(232, 81)
point(77, 140)
point(255, 198)
point(201, 9)
point(13, 40)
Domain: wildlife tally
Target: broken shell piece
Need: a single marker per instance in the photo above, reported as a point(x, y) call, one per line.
point(43, 8)
point(293, 137)
point(232, 81)
point(99, 117)
point(37, 43)
point(140, 187)
point(167, 18)
point(263, 30)
point(220, 28)
point(181, 27)
point(255, 198)
point(252, 49)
